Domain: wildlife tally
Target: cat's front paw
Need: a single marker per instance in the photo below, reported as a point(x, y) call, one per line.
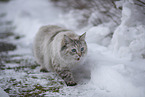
point(71, 83)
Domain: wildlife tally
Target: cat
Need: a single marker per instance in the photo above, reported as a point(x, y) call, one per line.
point(59, 49)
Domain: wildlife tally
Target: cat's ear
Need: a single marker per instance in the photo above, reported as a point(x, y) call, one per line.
point(67, 39)
point(82, 37)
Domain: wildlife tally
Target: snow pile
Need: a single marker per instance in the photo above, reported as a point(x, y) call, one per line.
point(114, 77)
point(119, 72)
point(129, 38)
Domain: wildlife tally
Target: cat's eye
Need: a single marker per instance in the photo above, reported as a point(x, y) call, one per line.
point(82, 49)
point(73, 50)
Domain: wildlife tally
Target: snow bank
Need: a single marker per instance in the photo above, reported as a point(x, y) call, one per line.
point(114, 77)
point(129, 38)
point(118, 73)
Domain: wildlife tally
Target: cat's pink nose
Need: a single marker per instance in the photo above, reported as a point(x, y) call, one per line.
point(79, 54)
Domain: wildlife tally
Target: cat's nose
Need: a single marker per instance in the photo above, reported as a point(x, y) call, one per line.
point(79, 54)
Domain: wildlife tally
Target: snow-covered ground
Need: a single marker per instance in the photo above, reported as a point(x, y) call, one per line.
point(117, 64)
point(3, 94)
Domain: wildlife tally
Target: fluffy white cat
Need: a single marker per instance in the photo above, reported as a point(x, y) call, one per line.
point(59, 49)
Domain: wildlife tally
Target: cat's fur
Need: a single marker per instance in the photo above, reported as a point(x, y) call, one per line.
point(53, 49)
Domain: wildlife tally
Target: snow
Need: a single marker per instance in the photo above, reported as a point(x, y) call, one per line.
point(97, 35)
point(114, 85)
point(28, 17)
point(117, 63)
point(128, 39)
point(3, 93)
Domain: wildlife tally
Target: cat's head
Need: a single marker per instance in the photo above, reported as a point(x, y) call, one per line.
point(74, 49)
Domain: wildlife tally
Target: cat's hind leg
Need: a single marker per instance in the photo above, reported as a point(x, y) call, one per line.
point(46, 66)
point(41, 63)
point(39, 57)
